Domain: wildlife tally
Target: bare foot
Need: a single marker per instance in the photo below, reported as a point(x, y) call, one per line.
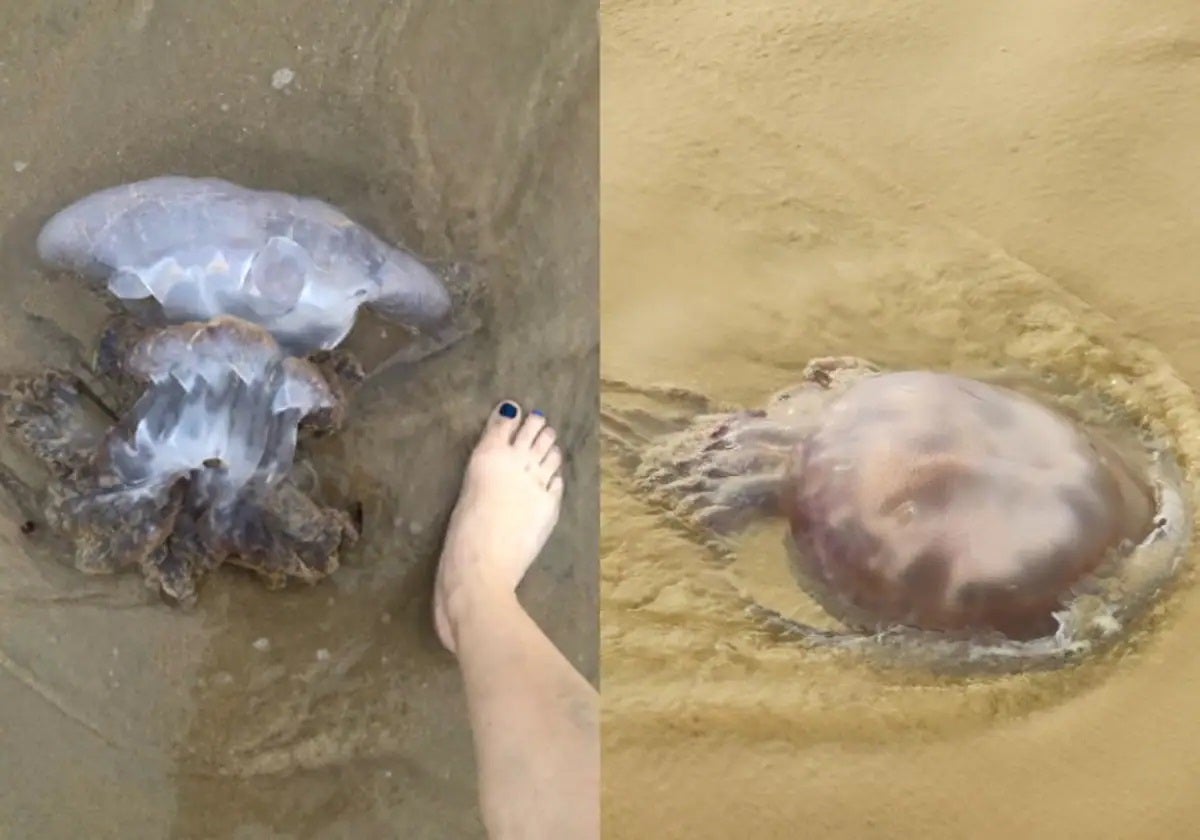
point(507, 507)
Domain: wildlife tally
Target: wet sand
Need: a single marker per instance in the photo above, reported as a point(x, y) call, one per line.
point(466, 132)
point(927, 185)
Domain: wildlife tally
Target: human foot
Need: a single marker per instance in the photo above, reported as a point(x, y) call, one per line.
point(506, 509)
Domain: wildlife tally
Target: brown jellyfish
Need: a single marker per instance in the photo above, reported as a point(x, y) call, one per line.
point(928, 504)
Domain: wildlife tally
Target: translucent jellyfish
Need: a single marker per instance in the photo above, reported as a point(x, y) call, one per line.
point(203, 247)
point(198, 472)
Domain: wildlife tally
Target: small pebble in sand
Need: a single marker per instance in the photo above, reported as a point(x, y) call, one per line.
point(222, 678)
point(415, 528)
point(282, 78)
point(386, 618)
point(322, 655)
point(20, 165)
point(225, 107)
point(262, 645)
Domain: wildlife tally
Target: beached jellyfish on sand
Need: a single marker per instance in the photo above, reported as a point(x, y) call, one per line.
point(115, 359)
point(203, 247)
point(933, 505)
point(197, 473)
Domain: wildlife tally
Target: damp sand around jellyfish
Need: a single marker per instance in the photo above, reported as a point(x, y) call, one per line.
point(956, 521)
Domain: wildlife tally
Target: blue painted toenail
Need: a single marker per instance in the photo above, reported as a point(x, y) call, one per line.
point(508, 410)
point(538, 412)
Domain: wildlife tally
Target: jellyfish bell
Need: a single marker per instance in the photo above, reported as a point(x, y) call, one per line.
point(935, 509)
point(410, 290)
point(205, 247)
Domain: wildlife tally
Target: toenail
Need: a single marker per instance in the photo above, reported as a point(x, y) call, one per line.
point(508, 410)
point(537, 412)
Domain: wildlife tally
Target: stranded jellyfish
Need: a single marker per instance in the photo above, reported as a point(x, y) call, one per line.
point(198, 472)
point(934, 506)
point(212, 386)
point(203, 247)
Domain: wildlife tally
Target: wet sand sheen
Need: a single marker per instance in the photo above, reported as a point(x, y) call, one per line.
point(135, 720)
point(796, 181)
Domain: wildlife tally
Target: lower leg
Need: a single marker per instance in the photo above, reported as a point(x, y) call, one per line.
point(534, 718)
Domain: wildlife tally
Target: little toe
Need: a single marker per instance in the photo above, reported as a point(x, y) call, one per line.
point(502, 423)
point(529, 431)
point(556, 487)
point(550, 465)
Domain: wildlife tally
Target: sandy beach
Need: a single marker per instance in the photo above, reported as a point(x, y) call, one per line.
point(325, 711)
point(928, 184)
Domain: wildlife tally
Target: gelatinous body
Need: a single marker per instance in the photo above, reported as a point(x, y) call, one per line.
point(933, 503)
point(223, 403)
point(944, 503)
point(197, 473)
point(205, 247)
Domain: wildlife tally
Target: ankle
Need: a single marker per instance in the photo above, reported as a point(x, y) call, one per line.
point(477, 599)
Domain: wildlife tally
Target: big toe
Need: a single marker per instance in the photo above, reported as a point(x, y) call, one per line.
point(502, 424)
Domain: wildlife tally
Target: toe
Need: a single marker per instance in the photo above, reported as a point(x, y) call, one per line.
point(529, 431)
point(502, 423)
point(556, 487)
point(550, 465)
point(544, 443)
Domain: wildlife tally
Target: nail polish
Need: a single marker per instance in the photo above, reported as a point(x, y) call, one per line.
point(508, 410)
point(538, 412)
